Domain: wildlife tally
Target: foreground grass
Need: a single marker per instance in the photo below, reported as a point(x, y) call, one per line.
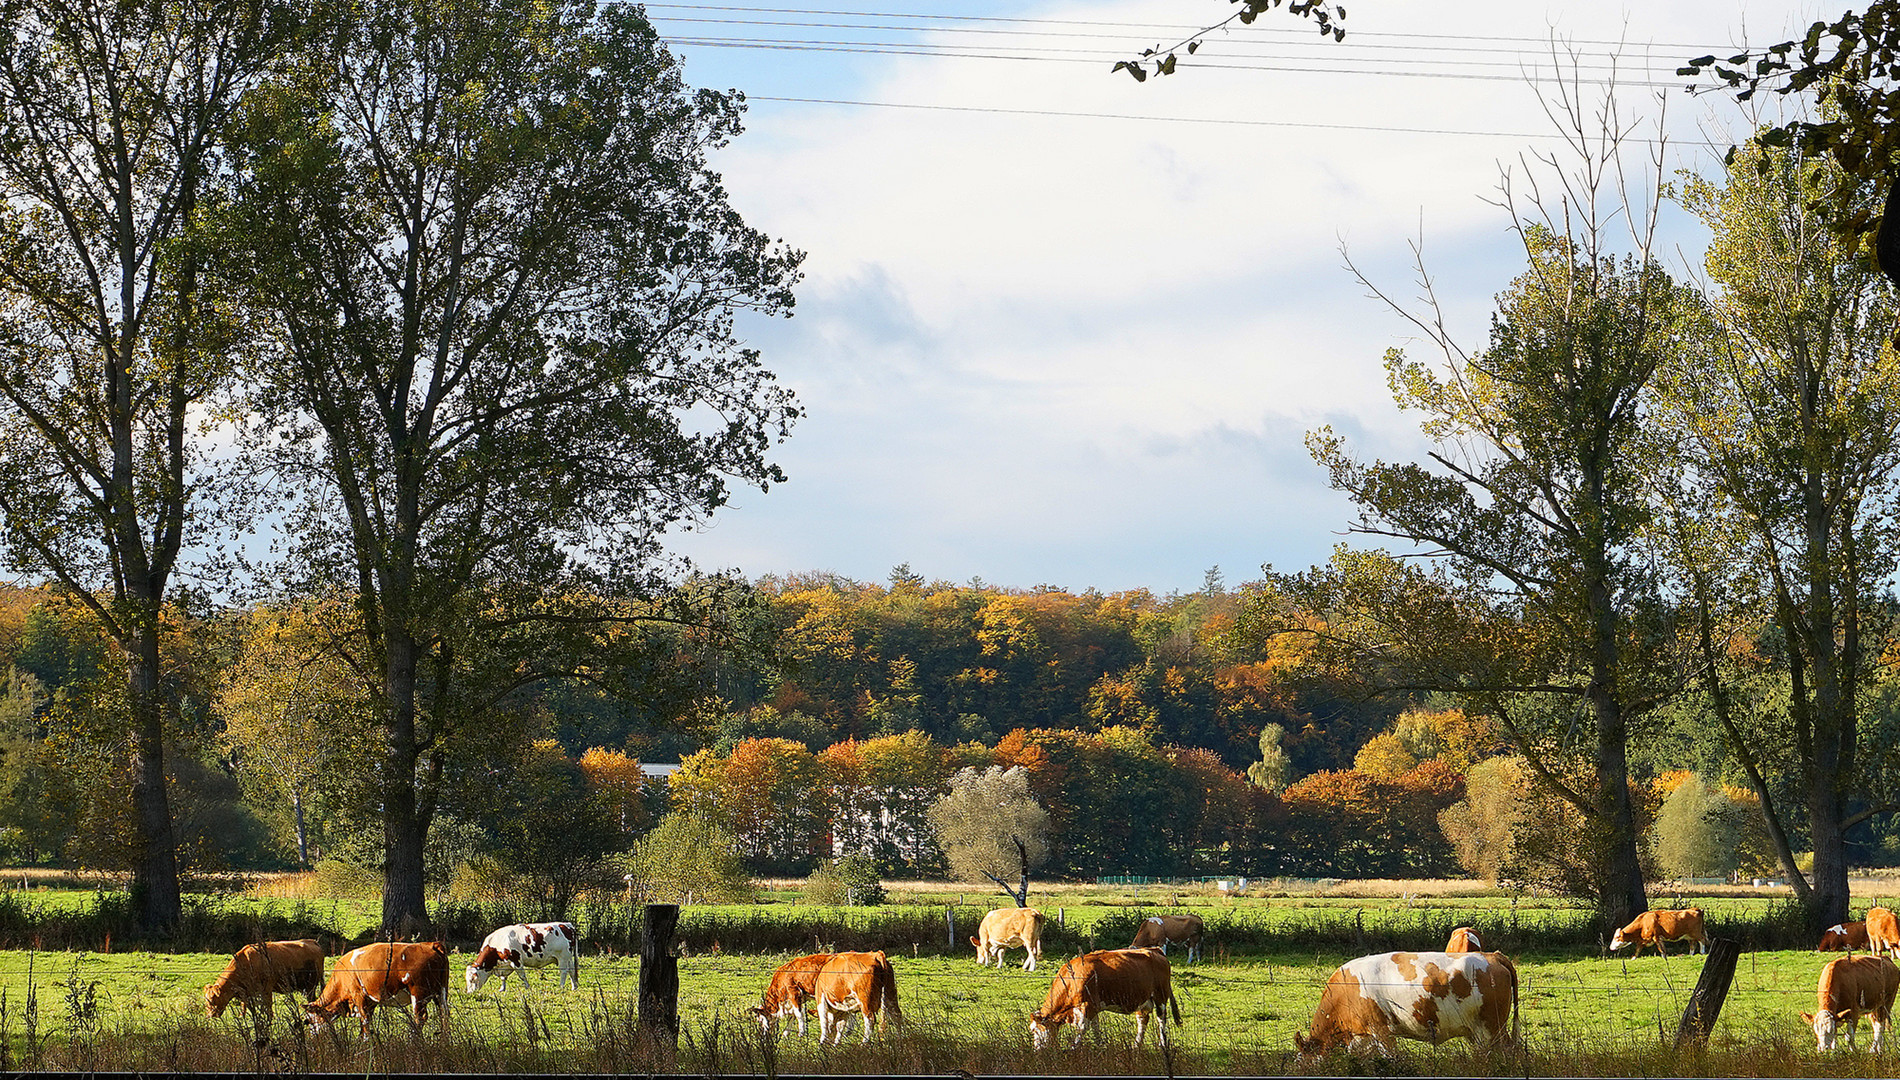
point(1581, 1017)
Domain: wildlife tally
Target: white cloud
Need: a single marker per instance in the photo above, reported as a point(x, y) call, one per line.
point(1083, 351)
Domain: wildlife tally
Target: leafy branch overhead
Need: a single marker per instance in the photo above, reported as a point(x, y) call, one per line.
point(1163, 58)
point(1851, 66)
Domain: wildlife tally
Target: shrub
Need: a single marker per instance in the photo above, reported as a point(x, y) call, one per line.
point(688, 857)
point(850, 880)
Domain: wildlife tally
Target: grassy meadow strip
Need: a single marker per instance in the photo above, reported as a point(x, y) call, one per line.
point(1580, 1017)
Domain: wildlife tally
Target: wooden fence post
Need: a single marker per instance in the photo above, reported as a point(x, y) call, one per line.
point(660, 977)
point(950, 920)
point(1705, 1002)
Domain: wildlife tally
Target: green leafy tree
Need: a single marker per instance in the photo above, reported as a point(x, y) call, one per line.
point(1544, 604)
point(114, 127)
point(1787, 430)
point(1273, 771)
point(990, 826)
point(688, 857)
point(1696, 834)
point(512, 305)
point(297, 722)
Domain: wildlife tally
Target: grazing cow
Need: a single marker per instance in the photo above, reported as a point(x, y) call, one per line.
point(527, 945)
point(1137, 981)
point(1430, 997)
point(1850, 988)
point(259, 972)
point(855, 982)
point(1843, 937)
point(794, 983)
point(1656, 927)
point(376, 974)
point(1463, 940)
point(1009, 928)
point(1164, 930)
point(1883, 932)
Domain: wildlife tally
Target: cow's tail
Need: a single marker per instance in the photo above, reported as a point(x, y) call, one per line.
point(884, 986)
point(1174, 1004)
point(1517, 1031)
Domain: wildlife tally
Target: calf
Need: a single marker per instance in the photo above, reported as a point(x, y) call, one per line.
point(1007, 928)
point(1430, 997)
point(1164, 930)
point(794, 983)
point(523, 946)
point(1852, 987)
point(1883, 932)
point(1843, 937)
point(1656, 927)
point(1464, 940)
point(1137, 981)
point(374, 974)
point(258, 972)
point(855, 982)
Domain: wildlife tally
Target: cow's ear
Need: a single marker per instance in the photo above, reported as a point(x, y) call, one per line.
point(1809, 1017)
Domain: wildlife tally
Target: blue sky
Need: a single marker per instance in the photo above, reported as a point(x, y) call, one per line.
point(1083, 350)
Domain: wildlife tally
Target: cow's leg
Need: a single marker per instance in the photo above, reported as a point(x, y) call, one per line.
point(1080, 1017)
point(1141, 1026)
point(1880, 1033)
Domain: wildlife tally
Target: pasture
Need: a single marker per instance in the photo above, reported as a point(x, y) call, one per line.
point(94, 1005)
point(1581, 1016)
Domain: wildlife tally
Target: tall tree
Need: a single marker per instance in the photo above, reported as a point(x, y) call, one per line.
point(1547, 610)
point(112, 125)
point(504, 282)
point(1790, 425)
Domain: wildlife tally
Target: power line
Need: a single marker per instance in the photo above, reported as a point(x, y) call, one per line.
point(1350, 46)
point(786, 45)
point(1218, 121)
point(1177, 29)
point(1097, 54)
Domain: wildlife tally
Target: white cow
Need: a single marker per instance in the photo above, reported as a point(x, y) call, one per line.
point(527, 945)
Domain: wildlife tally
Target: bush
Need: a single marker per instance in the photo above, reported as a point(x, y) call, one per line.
point(1697, 832)
point(687, 858)
point(850, 880)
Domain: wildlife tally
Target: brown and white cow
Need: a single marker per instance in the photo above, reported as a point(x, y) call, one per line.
point(1883, 932)
point(1463, 940)
point(1431, 997)
point(527, 945)
point(1137, 981)
point(793, 983)
point(1843, 937)
point(1009, 928)
point(381, 973)
point(1850, 988)
point(855, 982)
point(258, 972)
point(1160, 931)
point(1656, 927)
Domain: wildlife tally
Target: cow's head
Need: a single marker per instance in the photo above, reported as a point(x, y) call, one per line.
point(1042, 1029)
point(217, 996)
point(318, 1016)
point(477, 975)
point(1616, 941)
point(1825, 1028)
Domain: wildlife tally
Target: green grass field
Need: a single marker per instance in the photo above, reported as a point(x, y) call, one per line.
point(1266, 960)
point(1240, 1016)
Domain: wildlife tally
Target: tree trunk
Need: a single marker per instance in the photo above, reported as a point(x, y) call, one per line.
point(155, 867)
point(303, 837)
point(405, 904)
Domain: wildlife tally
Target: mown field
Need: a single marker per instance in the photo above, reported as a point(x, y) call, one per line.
point(137, 1005)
